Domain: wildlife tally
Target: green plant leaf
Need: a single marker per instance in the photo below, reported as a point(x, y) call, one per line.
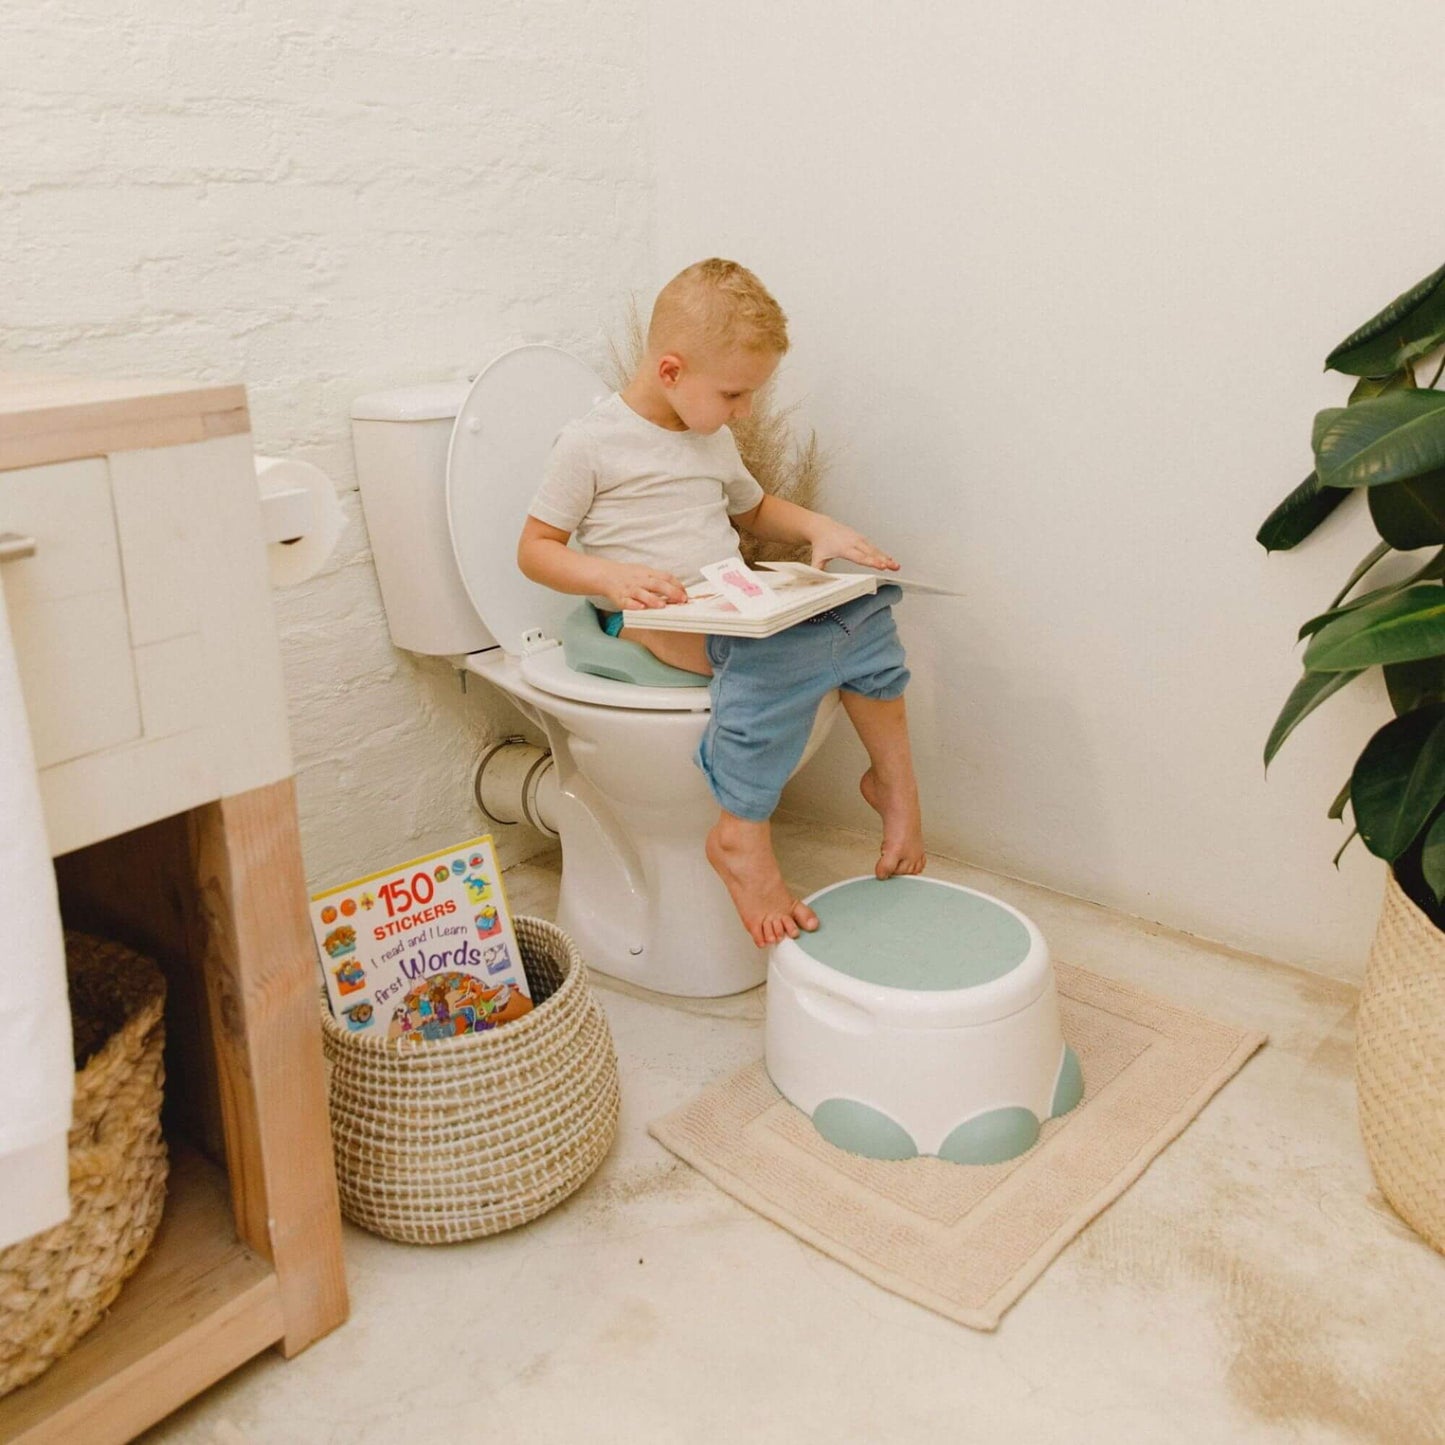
point(1411, 513)
point(1383, 440)
point(1400, 627)
point(1412, 324)
point(1307, 694)
point(1432, 571)
point(1337, 808)
point(1370, 386)
point(1377, 554)
point(1413, 685)
point(1323, 421)
point(1354, 833)
point(1432, 859)
point(1298, 515)
point(1399, 780)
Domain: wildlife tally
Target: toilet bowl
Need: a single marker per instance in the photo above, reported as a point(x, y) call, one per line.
point(446, 473)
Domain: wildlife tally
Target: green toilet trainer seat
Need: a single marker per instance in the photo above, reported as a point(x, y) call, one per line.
point(588, 648)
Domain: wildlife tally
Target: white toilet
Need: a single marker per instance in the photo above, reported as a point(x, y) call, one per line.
point(446, 474)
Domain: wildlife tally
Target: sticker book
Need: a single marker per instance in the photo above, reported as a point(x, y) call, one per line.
point(425, 950)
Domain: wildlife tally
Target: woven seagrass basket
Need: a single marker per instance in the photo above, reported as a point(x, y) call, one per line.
point(55, 1286)
point(440, 1141)
point(1400, 1064)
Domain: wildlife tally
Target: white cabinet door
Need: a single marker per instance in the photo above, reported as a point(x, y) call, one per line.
point(68, 611)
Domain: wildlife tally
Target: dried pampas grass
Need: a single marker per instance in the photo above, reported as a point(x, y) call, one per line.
point(784, 468)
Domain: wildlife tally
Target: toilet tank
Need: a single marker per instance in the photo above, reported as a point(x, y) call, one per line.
point(401, 439)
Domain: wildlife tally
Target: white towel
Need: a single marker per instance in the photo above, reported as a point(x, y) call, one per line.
point(37, 1074)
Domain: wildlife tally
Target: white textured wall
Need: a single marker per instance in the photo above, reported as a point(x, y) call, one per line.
point(1061, 280)
point(319, 198)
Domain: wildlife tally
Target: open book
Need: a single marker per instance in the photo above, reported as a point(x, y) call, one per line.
point(734, 600)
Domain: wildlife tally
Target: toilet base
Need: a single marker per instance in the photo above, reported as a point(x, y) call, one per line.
point(639, 896)
point(695, 951)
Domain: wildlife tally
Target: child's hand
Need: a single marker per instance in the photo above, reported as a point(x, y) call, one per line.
point(629, 584)
point(833, 539)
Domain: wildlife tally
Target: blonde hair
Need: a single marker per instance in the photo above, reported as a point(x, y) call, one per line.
point(715, 305)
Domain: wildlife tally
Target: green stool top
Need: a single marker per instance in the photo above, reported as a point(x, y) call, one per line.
point(915, 933)
point(588, 648)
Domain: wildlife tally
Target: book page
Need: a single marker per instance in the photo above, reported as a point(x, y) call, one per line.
point(842, 567)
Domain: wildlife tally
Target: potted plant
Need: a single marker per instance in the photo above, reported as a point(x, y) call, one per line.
point(1388, 441)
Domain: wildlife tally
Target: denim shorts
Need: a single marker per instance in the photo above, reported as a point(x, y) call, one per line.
point(766, 690)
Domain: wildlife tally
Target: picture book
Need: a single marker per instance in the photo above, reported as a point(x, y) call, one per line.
point(735, 600)
point(425, 950)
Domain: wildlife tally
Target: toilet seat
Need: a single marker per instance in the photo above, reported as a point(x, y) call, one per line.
point(547, 671)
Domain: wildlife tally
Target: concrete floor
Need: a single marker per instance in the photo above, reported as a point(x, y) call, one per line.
point(1252, 1286)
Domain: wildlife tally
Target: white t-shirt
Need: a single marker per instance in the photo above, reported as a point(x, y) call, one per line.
point(633, 491)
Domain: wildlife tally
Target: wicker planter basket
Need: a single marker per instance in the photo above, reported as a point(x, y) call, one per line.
point(442, 1141)
point(55, 1286)
point(1400, 1064)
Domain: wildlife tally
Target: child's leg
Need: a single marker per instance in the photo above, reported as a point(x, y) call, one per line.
point(889, 785)
point(741, 853)
point(678, 649)
point(765, 695)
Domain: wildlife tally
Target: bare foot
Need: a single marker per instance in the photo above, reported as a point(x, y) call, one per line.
point(902, 851)
point(742, 854)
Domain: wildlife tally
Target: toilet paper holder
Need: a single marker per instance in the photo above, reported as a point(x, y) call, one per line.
point(287, 515)
point(301, 519)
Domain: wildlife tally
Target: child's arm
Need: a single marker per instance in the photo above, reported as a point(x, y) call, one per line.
point(544, 556)
point(776, 520)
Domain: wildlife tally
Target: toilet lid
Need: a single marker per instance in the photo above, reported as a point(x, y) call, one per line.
point(503, 433)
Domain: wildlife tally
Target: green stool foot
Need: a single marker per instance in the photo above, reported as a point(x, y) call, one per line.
point(992, 1138)
point(847, 1124)
point(1069, 1088)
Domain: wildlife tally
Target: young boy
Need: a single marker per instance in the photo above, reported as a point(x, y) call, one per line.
point(652, 483)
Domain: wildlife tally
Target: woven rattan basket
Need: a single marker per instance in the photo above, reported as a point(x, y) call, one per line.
point(1400, 1064)
point(55, 1286)
point(440, 1141)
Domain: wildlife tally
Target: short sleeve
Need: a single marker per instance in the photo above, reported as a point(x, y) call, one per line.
point(743, 491)
point(569, 482)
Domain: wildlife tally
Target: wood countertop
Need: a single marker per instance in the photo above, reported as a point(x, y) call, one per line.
point(47, 418)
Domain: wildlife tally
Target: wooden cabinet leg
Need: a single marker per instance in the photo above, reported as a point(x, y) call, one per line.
point(261, 985)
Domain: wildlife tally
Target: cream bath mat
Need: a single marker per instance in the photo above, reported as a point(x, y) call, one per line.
point(967, 1241)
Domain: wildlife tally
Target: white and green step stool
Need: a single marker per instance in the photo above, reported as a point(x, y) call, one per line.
point(920, 1018)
